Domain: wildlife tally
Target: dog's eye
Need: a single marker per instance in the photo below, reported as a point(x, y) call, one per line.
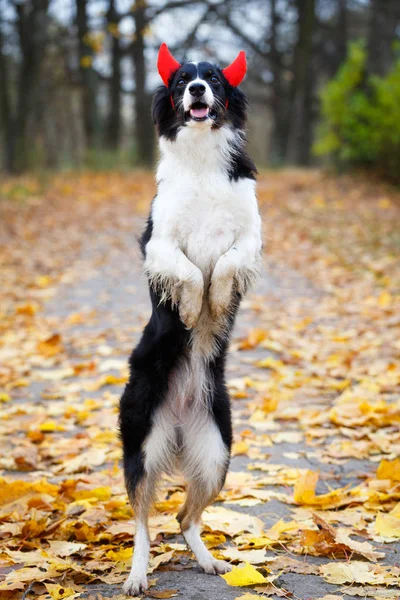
point(181, 82)
point(214, 79)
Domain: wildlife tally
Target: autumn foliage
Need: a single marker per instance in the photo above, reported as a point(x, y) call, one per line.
point(314, 376)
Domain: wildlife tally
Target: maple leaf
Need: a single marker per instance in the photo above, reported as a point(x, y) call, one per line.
point(244, 575)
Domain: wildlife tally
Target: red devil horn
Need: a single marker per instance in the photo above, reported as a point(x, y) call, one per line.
point(166, 64)
point(237, 70)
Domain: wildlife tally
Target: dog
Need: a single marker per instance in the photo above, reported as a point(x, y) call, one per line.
point(201, 251)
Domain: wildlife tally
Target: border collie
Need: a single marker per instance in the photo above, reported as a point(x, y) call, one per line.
point(201, 249)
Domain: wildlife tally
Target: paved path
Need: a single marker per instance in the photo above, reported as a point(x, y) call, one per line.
point(106, 282)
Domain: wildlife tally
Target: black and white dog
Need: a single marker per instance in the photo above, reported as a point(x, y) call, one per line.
point(201, 249)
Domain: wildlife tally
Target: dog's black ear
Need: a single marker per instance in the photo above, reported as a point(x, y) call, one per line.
point(164, 115)
point(237, 107)
point(162, 108)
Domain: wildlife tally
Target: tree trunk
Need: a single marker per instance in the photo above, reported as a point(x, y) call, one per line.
point(143, 122)
point(341, 32)
point(299, 142)
point(89, 77)
point(6, 117)
point(278, 104)
point(113, 128)
point(384, 15)
point(32, 22)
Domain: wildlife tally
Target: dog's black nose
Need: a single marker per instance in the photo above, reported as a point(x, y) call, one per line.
point(197, 89)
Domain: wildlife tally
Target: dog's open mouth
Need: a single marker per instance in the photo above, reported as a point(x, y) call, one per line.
point(199, 111)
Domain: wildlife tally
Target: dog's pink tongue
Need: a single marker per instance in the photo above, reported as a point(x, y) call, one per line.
point(199, 113)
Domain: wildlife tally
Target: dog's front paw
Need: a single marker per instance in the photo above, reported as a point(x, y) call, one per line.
point(223, 282)
point(135, 584)
point(216, 567)
point(191, 300)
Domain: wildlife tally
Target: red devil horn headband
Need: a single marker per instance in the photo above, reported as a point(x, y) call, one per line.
point(167, 65)
point(237, 70)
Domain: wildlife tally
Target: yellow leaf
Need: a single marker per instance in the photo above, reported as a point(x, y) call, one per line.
point(385, 300)
point(50, 346)
point(93, 386)
point(61, 548)
point(270, 363)
point(213, 539)
point(254, 557)
point(43, 281)
point(396, 511)
point(387, 526)
point(270, 403)
point(4, 397)
point(244, 575)
point(254, 337)
point(389, 469)
point(120, 555)
point(101, 493)
point(358, 572)
point(27, 309)
point(10, 491)
point(59, 592)
point(304, 490)
point(224, 520)
point(248, 597)
point(240, 448)
point(49, 426)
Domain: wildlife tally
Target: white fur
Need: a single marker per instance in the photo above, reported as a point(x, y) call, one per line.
point(207, 98)
point(137, 580)
point(184, 436)
point(205, 240)
point(203, 556)
point(206, 229)
point(204, 456)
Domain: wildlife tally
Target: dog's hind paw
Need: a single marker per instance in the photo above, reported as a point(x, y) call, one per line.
point(134, 585)
point(216, 567)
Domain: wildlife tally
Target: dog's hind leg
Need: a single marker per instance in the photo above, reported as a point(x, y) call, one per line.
point(143, 471)
point(137, 580)
point(205, 462)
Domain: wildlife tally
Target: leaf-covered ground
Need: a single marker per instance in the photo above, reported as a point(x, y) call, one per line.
point(311, 507)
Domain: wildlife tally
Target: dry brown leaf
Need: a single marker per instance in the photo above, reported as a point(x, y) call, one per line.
point(162, 593)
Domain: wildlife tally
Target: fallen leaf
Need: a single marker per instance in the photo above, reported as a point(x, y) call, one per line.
point(387, 526)
point(59, 592)
point(359, 572)
point(244, 575)
point(162, 593)
point(389, 469)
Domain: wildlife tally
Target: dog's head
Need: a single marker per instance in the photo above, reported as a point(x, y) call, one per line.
point(198, 95)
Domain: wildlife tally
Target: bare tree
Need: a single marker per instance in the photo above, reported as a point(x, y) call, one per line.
point(143, 122)
point(31, 24)
point(114, 118)
point(7, 117)
point(89, 77)
point(299, 141)
point(384, 19)
point(277, 102)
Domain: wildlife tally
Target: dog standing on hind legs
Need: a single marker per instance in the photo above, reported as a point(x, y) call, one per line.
point(201, 250)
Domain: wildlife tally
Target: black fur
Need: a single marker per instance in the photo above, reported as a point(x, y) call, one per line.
point(165, 339)
point(230, 108)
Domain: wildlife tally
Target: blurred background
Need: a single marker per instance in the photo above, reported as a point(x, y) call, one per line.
point(77, 76)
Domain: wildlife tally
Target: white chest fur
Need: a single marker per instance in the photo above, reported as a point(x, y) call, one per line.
point(196, 204)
